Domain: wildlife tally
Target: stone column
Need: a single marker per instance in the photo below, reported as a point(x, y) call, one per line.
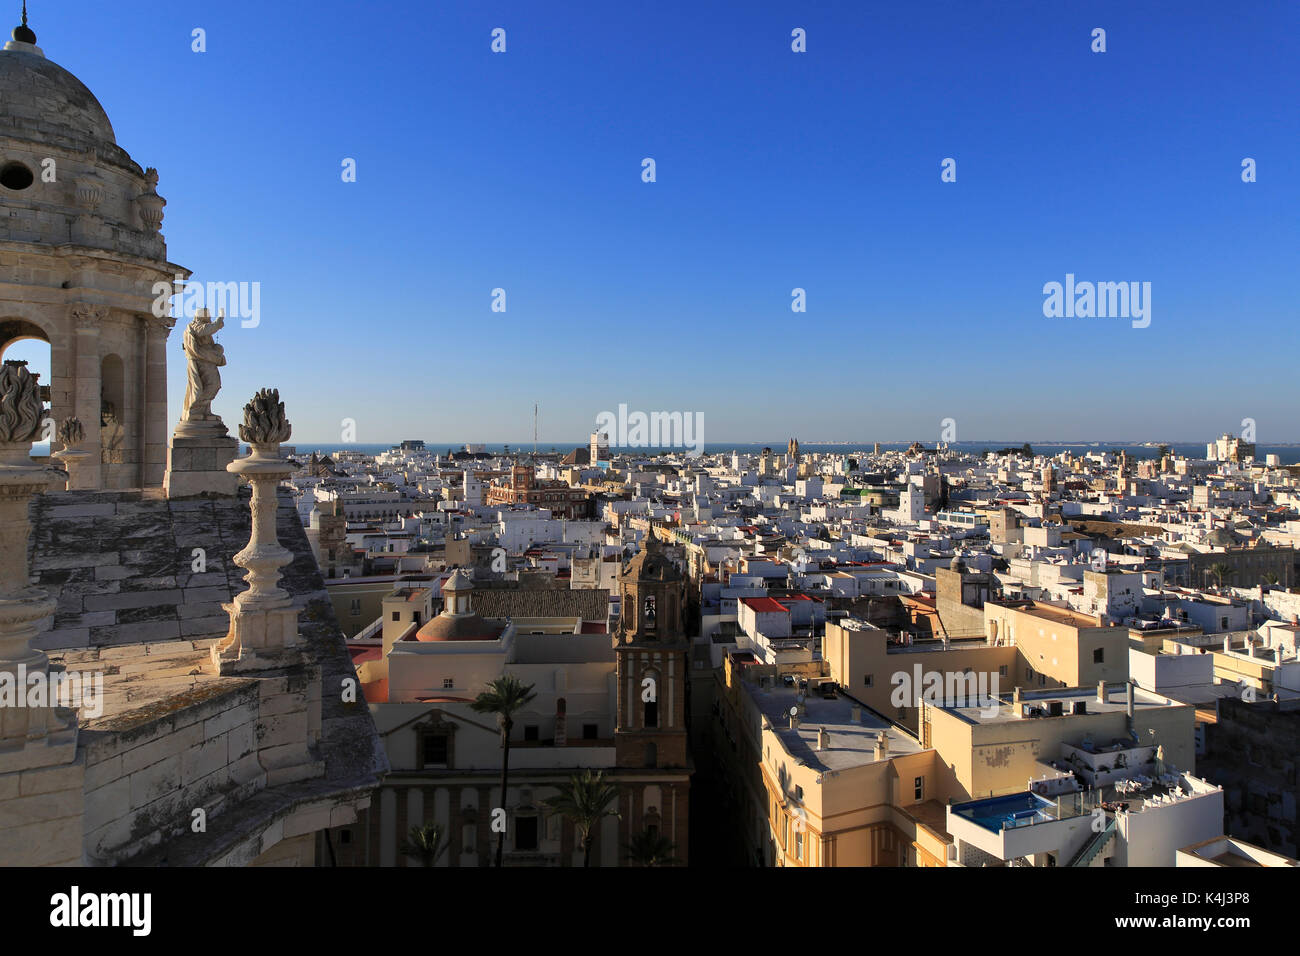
point(263, 639)
point(86, 390)
point(42, 735)
point(263, 620)
point(155, 417)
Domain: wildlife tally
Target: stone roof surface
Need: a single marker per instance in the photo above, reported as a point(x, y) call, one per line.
point(130, 604)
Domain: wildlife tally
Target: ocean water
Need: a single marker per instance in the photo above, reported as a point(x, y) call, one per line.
point(1288, 454)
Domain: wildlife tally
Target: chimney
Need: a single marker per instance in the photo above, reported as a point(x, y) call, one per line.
point(1101, 692)
point(823, 739)
point(855, 714)
point(1128, 699)
point(1015, 699)
point(882, 745)
point(1227, 643)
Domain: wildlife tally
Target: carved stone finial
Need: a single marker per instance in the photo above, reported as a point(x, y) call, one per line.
point(150, 203)
point(264, 419)
point(21, 408)
point(70, 432)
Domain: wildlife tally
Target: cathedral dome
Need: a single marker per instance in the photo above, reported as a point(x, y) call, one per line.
point(45, 103)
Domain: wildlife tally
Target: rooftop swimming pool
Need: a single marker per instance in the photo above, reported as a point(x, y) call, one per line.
point(1005, 813)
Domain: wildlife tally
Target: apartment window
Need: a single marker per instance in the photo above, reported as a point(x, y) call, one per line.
point(356, 607)
point(1042, 680)
point(345, 836)
point(1002, 670)
point(1029, 673)
point(798, 793)
point(526, 833)
point(798, 845)
point(1223, 623)
point(1099, 655)
point(448, 683)
point(437, 750)
point(397, 615)
point(869, 680)
point(652, 713)
point(590, 731)
point(531, 732)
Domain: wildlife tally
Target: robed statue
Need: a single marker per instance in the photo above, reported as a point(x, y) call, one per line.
point(205, 357)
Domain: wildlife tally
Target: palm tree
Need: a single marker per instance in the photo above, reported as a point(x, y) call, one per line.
point(649, 848)
point(425, 844)
point(504, 697)
point(585, 799)
point(1220, 570)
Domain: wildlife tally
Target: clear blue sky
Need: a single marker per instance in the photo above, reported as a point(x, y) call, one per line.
point(775, 170)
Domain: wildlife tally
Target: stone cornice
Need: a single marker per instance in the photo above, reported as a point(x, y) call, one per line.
point(108, 260)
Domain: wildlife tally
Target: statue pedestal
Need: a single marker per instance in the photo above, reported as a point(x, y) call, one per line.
point(197, 460)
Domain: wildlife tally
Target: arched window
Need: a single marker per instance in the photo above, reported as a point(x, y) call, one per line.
point(112, 414)
point(20, 341)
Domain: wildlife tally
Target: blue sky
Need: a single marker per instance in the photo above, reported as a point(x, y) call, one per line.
point(775, 170)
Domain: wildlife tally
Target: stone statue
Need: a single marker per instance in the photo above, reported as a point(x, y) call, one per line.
point(71, 433)
point(21, 408)
point(205, 357)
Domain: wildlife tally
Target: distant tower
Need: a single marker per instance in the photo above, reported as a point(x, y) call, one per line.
point(651, 653)
point(792, 450)
point(599, 448)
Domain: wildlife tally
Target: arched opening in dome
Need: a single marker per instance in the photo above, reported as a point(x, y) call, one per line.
point(112, 392)
point(21, 341)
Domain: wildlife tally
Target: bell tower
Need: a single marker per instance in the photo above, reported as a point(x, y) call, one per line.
point(85, 266)
point(651, 656)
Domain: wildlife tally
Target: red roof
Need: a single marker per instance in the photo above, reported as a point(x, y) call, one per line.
point(362, 654)
point(765, 605)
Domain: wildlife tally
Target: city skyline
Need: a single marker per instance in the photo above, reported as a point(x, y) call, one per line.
point(1122, 166)
point(250, 618)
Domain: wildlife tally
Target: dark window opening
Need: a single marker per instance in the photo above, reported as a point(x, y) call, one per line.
point(16, 176)
point(526, 833)
point(435, 750)
point(652, 713)
point(590, 731)
point(531, 732)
